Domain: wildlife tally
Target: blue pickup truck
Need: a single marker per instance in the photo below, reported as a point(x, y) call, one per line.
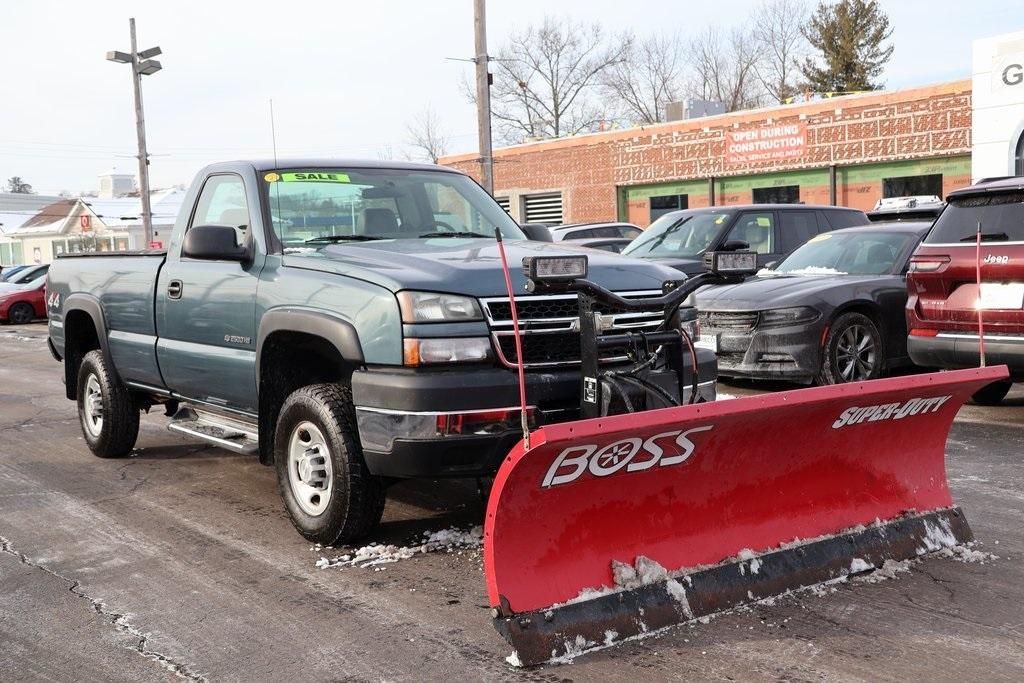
point(346, 321)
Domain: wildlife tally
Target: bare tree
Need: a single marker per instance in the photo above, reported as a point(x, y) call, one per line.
point(723, 66)
point(427, 136)
point(778, 32)
point(647, 77)
point(544, 76)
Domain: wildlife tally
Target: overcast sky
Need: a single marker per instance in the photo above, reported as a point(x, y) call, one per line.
point(345, 76)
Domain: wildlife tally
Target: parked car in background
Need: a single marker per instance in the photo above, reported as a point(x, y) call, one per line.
point(16, 274)
point(907, 209)
point(680, 238)
point(549, 232)
point(612, 244)
point(942, 309)
point(23, 302)
point(831, 312)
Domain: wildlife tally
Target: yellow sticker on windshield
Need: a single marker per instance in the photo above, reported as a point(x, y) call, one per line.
point(820, 238)
point(719, 220)
point(764, 221)
point(271, 177)
point(314, 177)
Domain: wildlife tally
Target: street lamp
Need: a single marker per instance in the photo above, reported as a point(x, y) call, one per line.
point(142, 65)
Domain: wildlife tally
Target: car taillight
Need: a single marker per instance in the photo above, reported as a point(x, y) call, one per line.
point(927, 264)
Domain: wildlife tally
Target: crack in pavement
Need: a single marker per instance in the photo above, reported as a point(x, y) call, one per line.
point(118, 620)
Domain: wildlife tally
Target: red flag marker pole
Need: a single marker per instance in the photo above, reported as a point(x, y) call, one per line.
point(519, 343)
point(981, 324)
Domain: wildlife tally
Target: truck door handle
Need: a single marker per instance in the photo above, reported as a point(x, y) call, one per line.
point(174, 289)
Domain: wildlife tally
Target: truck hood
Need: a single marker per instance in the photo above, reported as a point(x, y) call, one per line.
point(469, 266)
point(780, 291)
point(690, 265)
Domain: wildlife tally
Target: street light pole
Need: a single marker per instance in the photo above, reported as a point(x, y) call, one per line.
point(142, 65)
point(483, 96)
point(140, 132)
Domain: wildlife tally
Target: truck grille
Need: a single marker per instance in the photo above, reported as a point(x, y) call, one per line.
point(549, 326)
point(728, 320)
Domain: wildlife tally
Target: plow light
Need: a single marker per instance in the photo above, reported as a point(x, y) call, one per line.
point(731, 262)
point(555, 268)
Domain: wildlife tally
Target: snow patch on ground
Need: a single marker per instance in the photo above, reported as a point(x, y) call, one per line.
point(889, 570)
point(373, 555)
point(966, 553)
point(859, 566)
point(719, 396)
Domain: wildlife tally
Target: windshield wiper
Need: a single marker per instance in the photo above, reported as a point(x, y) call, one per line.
point(331, 239)
point(987, 237)
point(454, 233)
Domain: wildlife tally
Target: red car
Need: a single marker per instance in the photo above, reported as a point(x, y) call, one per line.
point(23, 302)
point(944, 298)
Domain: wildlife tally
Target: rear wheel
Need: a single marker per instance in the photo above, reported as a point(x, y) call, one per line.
point(106, 409)
point(993, 394)
point(330, 495)
point(21, 313)
point(853, 351)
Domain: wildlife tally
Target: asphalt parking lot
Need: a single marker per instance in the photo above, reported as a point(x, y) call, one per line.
point(180, 561)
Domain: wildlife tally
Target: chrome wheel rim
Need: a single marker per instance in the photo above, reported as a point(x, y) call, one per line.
point(855, 354)
point(310, 474)
point(92, 406)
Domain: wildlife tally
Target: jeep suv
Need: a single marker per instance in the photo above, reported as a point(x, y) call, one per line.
point(944, 297)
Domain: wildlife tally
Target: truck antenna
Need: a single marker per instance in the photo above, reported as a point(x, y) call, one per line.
point(273, 131)
point(523, 419)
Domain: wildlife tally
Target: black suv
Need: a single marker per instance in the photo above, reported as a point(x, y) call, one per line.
point(680, 238)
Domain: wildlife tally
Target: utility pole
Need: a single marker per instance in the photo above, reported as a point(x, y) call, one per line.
point(483, 96)
point(142, 65)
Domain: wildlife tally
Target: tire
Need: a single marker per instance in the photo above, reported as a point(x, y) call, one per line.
point(845, 358)
point(993, 394)
point(314, 419)
point(106, 410)
point(21, 313)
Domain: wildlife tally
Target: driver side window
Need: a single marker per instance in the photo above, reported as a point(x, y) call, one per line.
point(222, 202)
point(756, 228)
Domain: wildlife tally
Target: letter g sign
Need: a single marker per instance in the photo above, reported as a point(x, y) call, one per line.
point(1013, 74)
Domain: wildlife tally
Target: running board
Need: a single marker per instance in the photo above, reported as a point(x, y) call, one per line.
point(220, 430)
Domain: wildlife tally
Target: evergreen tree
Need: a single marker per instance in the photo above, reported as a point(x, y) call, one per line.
point(850, 36)
point(18, 186)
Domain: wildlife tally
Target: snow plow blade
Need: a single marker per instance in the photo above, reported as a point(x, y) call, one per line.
point(613, 527)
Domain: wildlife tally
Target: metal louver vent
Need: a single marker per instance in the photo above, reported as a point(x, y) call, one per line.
point(503, 202)
point(543, 208)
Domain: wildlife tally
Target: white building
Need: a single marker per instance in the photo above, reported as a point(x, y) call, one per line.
point(997, 120)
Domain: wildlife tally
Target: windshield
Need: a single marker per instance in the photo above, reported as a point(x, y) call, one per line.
point(323, 206)
point(688, 234)
point(850, 253)
point(1001, 217)
point(27, 275)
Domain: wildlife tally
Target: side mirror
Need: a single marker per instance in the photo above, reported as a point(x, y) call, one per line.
point(214, 243)
point(734, 245)
point(537, 233)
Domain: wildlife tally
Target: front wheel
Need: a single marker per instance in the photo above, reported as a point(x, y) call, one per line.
point(993, 394)
point(853, 351)
point(330, 495)
point(21, 314)
point(106, 409)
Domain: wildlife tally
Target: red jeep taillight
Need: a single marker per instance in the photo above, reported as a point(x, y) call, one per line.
point(928, 263)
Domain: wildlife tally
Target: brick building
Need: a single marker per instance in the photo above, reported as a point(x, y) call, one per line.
point(850, 150)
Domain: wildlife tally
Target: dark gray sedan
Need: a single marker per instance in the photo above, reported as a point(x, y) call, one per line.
point(830, 312)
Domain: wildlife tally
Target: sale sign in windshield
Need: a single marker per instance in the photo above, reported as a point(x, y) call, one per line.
point(780, 142)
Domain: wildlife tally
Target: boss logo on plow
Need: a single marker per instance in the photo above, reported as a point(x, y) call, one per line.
point(632, 454)
point(889, 411)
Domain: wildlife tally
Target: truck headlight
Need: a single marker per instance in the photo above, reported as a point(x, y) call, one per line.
point(798, 315)
point(432, 307)
point(445, 350)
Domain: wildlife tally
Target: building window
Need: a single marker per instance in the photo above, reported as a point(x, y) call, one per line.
point(543, 208)
point(785, 194)
point(1018, 161)
point(665, 203)
point(912, 186)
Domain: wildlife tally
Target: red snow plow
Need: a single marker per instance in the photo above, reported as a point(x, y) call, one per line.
point(606, 528)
